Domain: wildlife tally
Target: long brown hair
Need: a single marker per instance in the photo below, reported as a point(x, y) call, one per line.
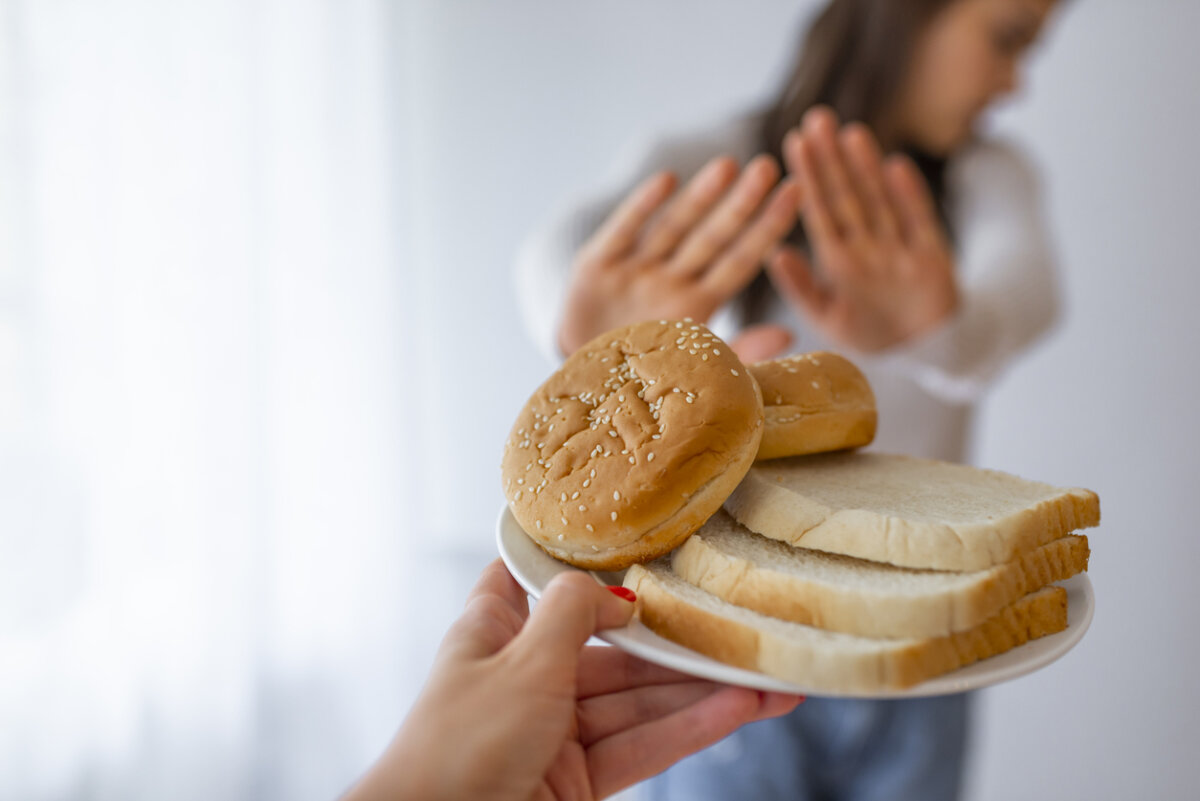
point(853, 58)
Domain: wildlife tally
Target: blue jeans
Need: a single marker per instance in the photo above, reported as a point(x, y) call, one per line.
point(832, 750)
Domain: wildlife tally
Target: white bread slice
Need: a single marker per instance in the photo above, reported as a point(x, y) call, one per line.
point(871, 599)
point(906, 511)
point(826, 661)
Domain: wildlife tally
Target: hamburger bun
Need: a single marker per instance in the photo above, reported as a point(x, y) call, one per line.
point(632, 444)
point(812, 403)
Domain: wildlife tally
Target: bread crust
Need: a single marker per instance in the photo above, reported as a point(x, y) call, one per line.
point(907, 511)
point(814, 402)
point(835, 663)
point(887, 602)
point(632, 444)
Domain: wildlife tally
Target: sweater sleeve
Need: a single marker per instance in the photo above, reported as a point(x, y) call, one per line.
point(1008, 285)
point(545, 257)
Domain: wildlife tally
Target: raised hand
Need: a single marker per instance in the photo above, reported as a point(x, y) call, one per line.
point(886, 273)
point(517, 707)
point(663, 254)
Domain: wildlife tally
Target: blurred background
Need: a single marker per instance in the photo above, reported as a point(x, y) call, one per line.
point(259, 348)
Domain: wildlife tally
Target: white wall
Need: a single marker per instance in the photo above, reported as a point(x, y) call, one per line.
point(515, 104)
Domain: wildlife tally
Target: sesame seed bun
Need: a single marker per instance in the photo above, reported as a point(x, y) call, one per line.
point(632, 444)
point(813, 402)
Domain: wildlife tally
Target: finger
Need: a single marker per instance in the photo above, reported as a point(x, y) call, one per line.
point(630, 756)
point(606, 715)
point(791, 273)
point(819, 221)
point(792, 143)
point(726, 220)
point(495, 611)
point(776, 704)
point(761, 342)
point(604, 669)
point(573, 608)
point(742, 260)
point(917, 213)
point(820, 128)
point(678, 218)
point(496, 580)
point(866, 167)
point(620, 231)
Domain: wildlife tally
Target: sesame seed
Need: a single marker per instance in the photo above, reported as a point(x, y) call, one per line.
point(716, 352)
point(616, 495)
point(582, 508)
point(586, 483)
point(614, 517)
point(656, 436)
point(518, 496)
point(576, 495)
point(650, 457)
point(703, 356)
point(520, 481)
point(563, 497)
point(595, 547)
point(621, 398)
point(816, 385)
point(679, 325)
point(589, 527)
point(735, 372)
point(564, 523)
point(538, 523)
point(631, 460)
point(560, 536)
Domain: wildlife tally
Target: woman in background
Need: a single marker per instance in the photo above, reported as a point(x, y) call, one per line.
point(928, 266)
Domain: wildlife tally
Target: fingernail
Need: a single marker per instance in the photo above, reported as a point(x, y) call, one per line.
point(624, 593)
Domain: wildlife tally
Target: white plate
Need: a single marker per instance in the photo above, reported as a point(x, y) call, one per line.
point(533, 568)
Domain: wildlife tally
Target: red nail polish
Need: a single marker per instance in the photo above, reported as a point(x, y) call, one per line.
point(624, 592)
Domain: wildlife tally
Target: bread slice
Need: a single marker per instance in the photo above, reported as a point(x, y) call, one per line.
point(906, 511)
point(826, 661)
point(841, 593)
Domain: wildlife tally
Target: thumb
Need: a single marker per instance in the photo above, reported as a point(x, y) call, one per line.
point(761, 342)
point(573, 608)
point(792, 274)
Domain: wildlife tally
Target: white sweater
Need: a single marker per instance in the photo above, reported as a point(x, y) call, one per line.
point(924, 389)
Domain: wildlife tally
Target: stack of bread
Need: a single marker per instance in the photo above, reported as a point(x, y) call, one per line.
point(842, 571)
